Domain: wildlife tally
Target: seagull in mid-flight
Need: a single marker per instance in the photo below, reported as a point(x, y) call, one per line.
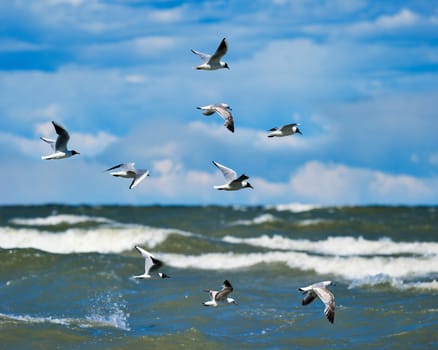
point(320, 290)
point(234, 183)
point(285, 130)
point(128, 170)
point(59, 145)
point(150, 263)
point(220, 297)
point(213, 62)
point(224, 112)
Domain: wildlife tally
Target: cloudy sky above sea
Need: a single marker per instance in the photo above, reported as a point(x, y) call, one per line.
point(361, 78)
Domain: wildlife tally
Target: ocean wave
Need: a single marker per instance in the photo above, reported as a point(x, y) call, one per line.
point(293, 207)
point(339, 246)
point(54, 220)
point(117, 320)
point(111, 239)
point(258, 220)
point(350, 268)
point(383, 279)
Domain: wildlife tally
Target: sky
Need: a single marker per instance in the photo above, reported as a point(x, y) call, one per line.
point(359, 76)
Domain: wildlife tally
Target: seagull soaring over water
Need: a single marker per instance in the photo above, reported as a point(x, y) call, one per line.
point(320, 290)
point(213, 62)
point(234, 183)
point(128, 170)
point(150, 263)
point(59, 145)
point(224, 112)
point(285, 130)
point(220, 297)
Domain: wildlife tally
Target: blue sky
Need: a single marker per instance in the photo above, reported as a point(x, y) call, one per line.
point(361, 77)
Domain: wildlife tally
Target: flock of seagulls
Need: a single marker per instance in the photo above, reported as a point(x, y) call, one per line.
point(233, 183)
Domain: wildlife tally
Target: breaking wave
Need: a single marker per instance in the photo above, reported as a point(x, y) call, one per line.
point(54, 220)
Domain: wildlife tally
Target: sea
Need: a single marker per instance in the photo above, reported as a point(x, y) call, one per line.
point(66, 277)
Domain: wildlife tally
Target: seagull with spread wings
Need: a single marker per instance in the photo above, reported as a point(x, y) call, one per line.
point(321, 291)
point(213, 62)
point(59, 146)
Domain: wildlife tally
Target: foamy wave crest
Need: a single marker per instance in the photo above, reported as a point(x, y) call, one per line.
point(382, 279)
point(340, 246)
point(54, 220)
point(259, 220)
point(99, 240)
point(294, 207)
point(350, 268)
point(114, 322)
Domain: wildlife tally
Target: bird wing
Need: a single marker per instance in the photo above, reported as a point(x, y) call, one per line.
point(308, 298)
point(220, 51)
point(228, 173)
point(205, 57)
point(226, 115)
point(227, 288)
point(139, 176)
point(49, 141)
point(288, 127)
point(150, 261)
point(62, 139)
point(328, 299)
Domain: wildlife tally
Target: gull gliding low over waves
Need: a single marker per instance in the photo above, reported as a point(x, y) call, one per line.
point(220, 297)
point(320, 290)
point(234, 183)
point(224, 112)
point(285, 130)
point(128, 170)
point(59, 145)
point(150, 263)
point(213, 62)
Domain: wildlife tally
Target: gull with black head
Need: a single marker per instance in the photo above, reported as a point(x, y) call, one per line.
point(151, 263)
point(234, 183)
point(213, 62)
point(220, 297)
point(59, 146)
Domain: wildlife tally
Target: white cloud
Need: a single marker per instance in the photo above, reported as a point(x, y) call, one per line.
point(403, 18)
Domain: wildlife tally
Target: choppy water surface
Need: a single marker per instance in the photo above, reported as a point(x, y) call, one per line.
point(66, 277)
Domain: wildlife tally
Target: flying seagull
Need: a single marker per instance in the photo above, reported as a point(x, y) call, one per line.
point(320, 290)
point(234, 183)
point(220, 297)
point(213, 62)
point(59, 145)
point(224, 112)
point(285, 130)
point(128, 170)
point(150, 263)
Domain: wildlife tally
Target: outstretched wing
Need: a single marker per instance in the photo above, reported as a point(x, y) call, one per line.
point(220, 51)
point(228, 173)
point(308, 298)
point(139, 176)
point(328, 299)
point(150, 261)
point(224, 292)
point(226, 115)
point(205, 57)
point(49, 141)
point(63, 137)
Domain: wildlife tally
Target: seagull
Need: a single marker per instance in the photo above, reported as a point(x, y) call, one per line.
point(220, 297)
point(285, 130)
point(320, 290)
point(150, 263)
point(234, 183)
point(127, 170)
point(59, 145)
point(213, 62)
point(224, 112)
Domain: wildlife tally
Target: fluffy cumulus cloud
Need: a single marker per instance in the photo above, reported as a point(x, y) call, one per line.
point(359, 76)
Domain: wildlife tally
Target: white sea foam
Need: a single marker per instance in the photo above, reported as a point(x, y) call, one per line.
point(294, 207)
point(382, 279)
point(258, 220)
point(111, 239)
point(350, 268)
point(54, 220)
point(339, 246)
point(117, 320)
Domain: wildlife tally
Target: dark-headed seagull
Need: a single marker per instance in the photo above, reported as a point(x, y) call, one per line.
point(59, 145)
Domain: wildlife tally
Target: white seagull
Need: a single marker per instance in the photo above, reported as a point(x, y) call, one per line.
point(220, 297)
point(213, 62)
point(150, 263)
point(285, 130)
point(128, 170)
point(234, 183)
point(59, 145)
point(320, 290)
point(224, 112)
